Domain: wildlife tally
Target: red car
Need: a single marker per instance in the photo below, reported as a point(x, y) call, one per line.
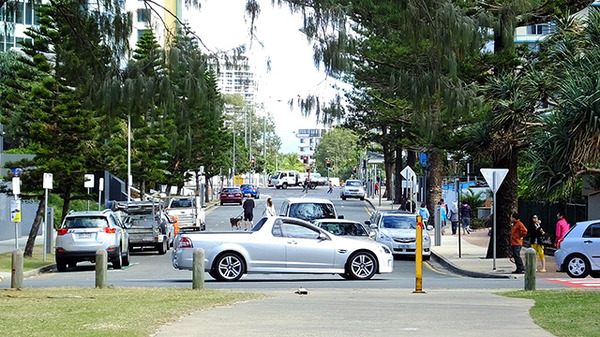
point(231, 195)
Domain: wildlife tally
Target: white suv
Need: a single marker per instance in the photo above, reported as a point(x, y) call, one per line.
point(352, 189)
point(83, 233)
point(309, 209)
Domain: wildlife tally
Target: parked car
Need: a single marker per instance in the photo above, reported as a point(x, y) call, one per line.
point(282, 245)
point(231, 195)
point(309, 209)
point(398, 230)
point(346, 228)
point(250, 190)
point(579, 253)
point(352, 189)
point(188, 210)
point(147, 225)
point(83, 233)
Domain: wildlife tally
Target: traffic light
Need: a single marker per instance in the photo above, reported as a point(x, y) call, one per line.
point(328, 163)
point(308, 169)
point(253, 161)
point(305, 159)
point(354, 170)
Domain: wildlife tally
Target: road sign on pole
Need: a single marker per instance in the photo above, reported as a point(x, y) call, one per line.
point(494, 178)
point(47, 185)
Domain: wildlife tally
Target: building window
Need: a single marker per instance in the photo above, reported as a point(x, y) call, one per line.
point(538, 29)
point(19, 12)
point(28, 13)
point(140, 33)
point(143, 15)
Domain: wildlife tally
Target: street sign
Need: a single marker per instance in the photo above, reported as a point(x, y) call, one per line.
point(408, 173)
point(16, 185)
point(15, 210)
point(494, 177)
point(47, 183)
point(101, 184)
point(88, 181)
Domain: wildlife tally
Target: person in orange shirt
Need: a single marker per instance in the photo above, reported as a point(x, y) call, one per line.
point(517, 232)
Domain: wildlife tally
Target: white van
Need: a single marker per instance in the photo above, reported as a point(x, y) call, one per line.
point(283, 179)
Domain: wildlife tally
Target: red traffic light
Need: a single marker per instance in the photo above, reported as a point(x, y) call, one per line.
point(354, 170)
point(328, 163)
point(252, 160)
point(308, 169)
point(305, 159)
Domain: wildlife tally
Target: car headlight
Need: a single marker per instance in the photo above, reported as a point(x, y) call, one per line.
point(425, 237)
point(384, 237)
point(385, 249)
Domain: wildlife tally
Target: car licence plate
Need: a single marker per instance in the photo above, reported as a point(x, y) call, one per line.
point(84, 235)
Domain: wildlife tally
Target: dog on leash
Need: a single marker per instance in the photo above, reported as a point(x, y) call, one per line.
point(236, 223)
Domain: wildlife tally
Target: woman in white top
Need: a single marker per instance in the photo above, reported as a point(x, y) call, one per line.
point(269, 208)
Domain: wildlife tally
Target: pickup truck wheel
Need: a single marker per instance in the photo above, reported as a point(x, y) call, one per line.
point(284, 186)
point(163, 247)
point(361, 266)
point(228, 267)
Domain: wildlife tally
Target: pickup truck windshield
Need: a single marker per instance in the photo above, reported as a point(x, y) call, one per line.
point(181, 203)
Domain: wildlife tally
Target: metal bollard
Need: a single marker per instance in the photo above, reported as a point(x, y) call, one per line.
point(101, 268)
point(198, 270)
point(16, 278)
point(530, 265)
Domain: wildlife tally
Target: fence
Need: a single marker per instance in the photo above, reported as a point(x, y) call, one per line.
point(547, 213)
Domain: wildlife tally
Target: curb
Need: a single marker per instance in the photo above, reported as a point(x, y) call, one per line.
point(452, 267)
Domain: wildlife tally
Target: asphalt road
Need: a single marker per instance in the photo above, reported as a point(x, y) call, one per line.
point(148, 269)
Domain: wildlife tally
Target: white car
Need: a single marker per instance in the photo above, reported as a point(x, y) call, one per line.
point(282, 245)
point(82, 233)
point(309, 209)
point(398, 231)
point(346, 228)
point(352, 189)
point(579, 253)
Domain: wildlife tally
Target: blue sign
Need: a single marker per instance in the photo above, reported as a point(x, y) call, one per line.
point(423, 159)
point(16, 171)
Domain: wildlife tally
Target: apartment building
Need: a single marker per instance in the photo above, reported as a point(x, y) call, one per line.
point(308, 139)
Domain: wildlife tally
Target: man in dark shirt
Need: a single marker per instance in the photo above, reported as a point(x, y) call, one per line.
point(248, 212)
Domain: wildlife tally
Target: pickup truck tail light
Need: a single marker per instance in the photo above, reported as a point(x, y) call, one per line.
point(185, 243)
point(109, 230)
point(63, 231)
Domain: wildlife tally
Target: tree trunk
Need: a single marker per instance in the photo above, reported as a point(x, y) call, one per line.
point(197, 174)
point(39, 216)
point(142, 189)
point(506, 204)
point(66, 202)
point(388, 163)
point(434, 182)
point(398, 182)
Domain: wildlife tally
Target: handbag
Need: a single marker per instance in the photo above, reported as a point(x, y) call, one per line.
point(546, 241)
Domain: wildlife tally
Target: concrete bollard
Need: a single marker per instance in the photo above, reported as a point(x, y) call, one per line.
point(530, 265)
point(198, 270)
point(16, 278)
point(101, 268)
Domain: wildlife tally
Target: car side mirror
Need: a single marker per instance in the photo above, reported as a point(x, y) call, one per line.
point(323, 236)
point(368, 222)
point(340, 216)
point(429, 227)
point(372, 234)
point(373, 226)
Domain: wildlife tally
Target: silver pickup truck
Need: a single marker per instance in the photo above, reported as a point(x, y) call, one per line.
point(188, 211)
point(147, 225)
point(281, 245)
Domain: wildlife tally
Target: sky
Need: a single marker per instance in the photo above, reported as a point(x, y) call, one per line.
point(223, 25)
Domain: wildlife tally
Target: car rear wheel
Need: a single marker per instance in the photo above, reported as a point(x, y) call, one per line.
point(361, 266)
point(163, 247)
point(228, 267)
point(284, 186)
point(577, 266)
point(125, 258)
point(117, 262)
point(61, 266)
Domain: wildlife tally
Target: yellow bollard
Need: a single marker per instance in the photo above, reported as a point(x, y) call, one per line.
point(419, 257)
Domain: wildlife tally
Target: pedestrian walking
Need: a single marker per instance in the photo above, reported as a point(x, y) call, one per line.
point(465, 213)
point(454, 217)
point(562, 227)
point(537, 232)
point(424, 212)
point(376, 188)
point(517, 232)
point(443, 215)
point(330, 190)
point(305, 186)
point(248, 212)
point(269, 208)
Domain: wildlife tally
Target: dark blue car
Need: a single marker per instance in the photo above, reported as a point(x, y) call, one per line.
point(250, 190)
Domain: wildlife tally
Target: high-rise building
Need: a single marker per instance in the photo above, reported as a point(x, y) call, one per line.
point(235, 75)
point(308, 139)
point(12, 31)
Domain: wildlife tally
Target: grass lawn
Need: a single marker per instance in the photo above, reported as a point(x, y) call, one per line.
point(569, 312)
point(103, 312)
point(29, 263)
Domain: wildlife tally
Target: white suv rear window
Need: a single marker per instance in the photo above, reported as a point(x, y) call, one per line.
point(87, 222)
